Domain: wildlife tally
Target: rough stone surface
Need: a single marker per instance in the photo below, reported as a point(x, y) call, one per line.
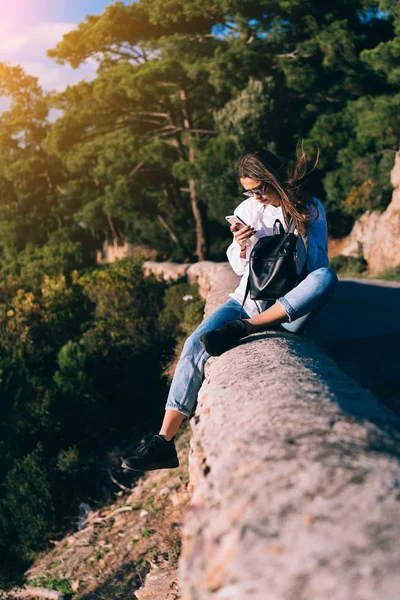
point(295, 476)
point(379, 233)
point(114, 251)
point(168, 270)
point(160, 585)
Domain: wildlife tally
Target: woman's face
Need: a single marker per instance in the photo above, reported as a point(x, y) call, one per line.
point(268, 196)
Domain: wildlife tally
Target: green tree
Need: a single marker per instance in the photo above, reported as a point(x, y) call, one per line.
point(159, 79)
point(35, 211)
point(26, 510)
point(28, 175)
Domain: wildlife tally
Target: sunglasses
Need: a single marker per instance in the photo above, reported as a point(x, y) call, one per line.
point(259, 191)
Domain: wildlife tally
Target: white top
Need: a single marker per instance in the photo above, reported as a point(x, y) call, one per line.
point(262, 218)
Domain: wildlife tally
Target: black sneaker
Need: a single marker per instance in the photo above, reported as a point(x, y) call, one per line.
point(159, 453)
point(223, 338)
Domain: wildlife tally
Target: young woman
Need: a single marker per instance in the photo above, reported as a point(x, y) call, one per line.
point(272, 192)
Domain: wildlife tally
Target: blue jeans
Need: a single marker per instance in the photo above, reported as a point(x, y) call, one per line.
point(302, 304)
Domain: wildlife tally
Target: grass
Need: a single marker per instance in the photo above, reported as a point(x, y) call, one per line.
point(349, 266)
point(168, 537)
point(390, 274)
point(149, 504)
point(101, 553)
point(51, 583)
point(145, 532)
point(357, 266)
point(134, 541)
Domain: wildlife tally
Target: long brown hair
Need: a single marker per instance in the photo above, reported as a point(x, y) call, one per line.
point(262, 165)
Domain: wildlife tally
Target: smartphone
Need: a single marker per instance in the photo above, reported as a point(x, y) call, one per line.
point(235, 220)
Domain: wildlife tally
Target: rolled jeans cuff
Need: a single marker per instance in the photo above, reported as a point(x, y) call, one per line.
point(291, 313)
point(180, 408)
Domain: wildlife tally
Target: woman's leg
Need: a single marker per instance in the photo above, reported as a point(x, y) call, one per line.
point(306, 300)
point(189, 371)
point(300, 305)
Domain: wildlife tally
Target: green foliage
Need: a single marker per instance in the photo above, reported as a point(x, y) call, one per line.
point(349, 266)
point(68, 460)
point(102, 552)
point(145, 533)
point(183, 309)
point(25, 513)
point(176, 98)
point(127, 305)
point(123, 344)
point(60, 255)
point(327, 76)
point(71, 377)
point(81, 367)
point(248, 118)
point(390, 274)
point(51, 583)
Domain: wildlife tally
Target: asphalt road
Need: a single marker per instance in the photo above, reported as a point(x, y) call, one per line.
point(360, 329)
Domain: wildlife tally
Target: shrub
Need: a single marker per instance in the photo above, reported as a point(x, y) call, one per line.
point(390, 274)
point(81, 370)
point(183, 311)
point(349, 266)
point(26, 510)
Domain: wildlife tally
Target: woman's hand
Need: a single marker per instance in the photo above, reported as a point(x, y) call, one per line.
point(242, 234)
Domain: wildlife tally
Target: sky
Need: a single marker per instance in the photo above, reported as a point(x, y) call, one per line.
point(30, 27)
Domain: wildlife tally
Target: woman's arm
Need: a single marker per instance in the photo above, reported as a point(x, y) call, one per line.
point(238, 258)
point(317, 239)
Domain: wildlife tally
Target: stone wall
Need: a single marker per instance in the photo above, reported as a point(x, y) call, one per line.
point(379, 233)
point(294, 472)
point(120, 249)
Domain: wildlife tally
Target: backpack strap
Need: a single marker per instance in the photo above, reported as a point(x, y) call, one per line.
point(245, 295)
point(304, 270)
point(305, 241)
point(292, 226)
point(278, 227)
point(302, 274)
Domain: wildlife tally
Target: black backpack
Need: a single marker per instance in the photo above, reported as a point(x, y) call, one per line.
point(272, 266)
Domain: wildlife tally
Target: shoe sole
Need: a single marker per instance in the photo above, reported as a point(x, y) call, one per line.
point(153, 466)
point(203, 345)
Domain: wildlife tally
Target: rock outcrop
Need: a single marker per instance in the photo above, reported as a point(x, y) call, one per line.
point(379, 233)
point(295, 475)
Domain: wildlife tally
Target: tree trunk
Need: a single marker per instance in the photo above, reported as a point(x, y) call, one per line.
point(112, 226)
point(201, 240)
point(172, 235)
